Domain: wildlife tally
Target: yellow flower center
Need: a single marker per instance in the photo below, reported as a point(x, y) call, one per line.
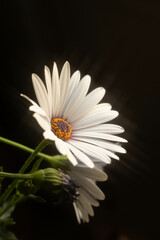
point(61, 128)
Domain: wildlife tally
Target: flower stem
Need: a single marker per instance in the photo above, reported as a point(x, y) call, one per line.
point(11, 187)
point(22, 147)
point(54, 159)
point(15, 175)
point(39, 148)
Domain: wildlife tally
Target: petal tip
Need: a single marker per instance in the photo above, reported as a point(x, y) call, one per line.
point(91, 165)
point(34, 77)
point(54, 64)
point(46, 68)
point(106, 177)
point(66, 64)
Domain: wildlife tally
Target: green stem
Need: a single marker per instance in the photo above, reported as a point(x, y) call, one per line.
point(22, 147)
point(54, 159)
point(38, 149)
point(15, 175)
point(11, 187)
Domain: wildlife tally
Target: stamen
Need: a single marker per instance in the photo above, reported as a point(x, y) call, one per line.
point(61, 128)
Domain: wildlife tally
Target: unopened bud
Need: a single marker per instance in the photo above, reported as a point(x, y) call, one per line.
point(48, 175)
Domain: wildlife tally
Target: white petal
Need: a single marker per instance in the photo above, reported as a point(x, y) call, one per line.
point(30, 100)
point(95, 119)
point(77, 97)
point(95, 173)
point(84, 214)
point(94, 190)
point(48, 134)
point(42, 121)
point(81, 156)
point(64, 150)
point(64, 83)
point(72, 158)
point(39, 111)
point(97, 149)
point(55, 91)
point(49, 88)
point(97, 163)
point(89, 186)
point(41, 93)
point(86, 205)
point(88, 196)
point(91, 151)
point(88, 103)
point(102, 143)
point(75, 78)
point(61, 146)
point(77, 212)
point(72, 86)
point(35, 108)
point(98, 135)
point(105, 128)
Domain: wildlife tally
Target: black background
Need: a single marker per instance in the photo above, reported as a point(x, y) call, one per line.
point(117, 43)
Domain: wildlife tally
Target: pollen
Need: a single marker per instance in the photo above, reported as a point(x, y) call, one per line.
point(61, 128)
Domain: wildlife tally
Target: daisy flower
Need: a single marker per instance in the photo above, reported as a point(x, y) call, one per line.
point(80, 184)
point(75, 121)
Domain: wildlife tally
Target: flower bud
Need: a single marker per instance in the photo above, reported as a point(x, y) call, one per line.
point(48, 175)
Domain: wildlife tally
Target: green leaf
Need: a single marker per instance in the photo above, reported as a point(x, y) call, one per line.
point(36, 198)
point(1, 170)
point(5, 218)
point(5, 234)
point(7, 221)
point(8, 213)
point(1, 178)
point(36, 165)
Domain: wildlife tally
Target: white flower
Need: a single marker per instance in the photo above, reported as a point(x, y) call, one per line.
point(80, 184)
point(75, 121)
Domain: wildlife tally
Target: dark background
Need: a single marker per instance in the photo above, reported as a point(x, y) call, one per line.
point(117, 43)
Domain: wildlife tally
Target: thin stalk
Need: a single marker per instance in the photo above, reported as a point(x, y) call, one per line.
point(15, 175)
point(11, 187)
point(52, 159)
point(23, 147)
